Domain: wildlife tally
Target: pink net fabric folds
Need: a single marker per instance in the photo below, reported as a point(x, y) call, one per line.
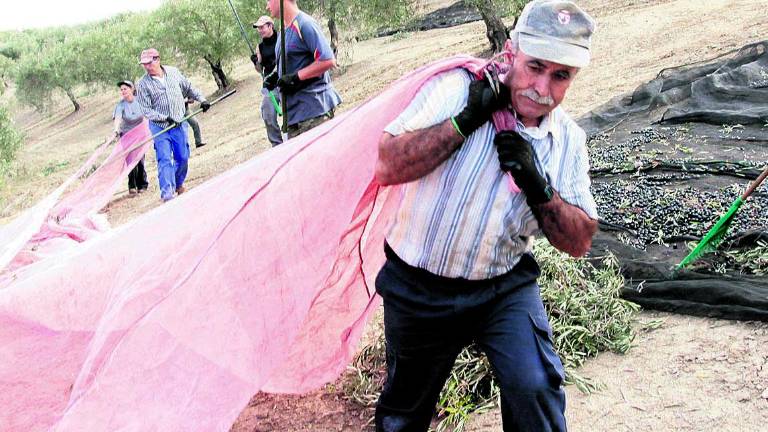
point(62, 220)
point(259, 279)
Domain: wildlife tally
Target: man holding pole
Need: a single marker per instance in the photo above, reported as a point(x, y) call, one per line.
point(162, 92)
point(305, 81)
point(265, 60)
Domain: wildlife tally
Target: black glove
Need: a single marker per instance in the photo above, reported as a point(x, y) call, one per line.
point(481, 104)
point(205, 105)
point(516, 156)
point(270, 81)
point(255, 61)
point(171, 122)
point(290, 83)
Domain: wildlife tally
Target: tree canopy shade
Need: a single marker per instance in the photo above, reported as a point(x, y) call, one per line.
point(203, 33)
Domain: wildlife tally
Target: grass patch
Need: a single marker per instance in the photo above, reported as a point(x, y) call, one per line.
point(587, 317)
point(54, 167)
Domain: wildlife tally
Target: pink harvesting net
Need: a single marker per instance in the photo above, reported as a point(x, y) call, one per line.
point(259, 279)
point(56, 224)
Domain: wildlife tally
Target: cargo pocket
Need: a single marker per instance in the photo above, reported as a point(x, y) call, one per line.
point(549, 358)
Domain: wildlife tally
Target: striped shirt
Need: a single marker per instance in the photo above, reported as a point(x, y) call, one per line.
point(462, 220)
point(164, 97)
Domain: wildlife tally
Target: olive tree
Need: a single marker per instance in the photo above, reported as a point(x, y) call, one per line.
point(492, 11)
point(48, 60)
point(37, 77)
point(10, 138)
point(10, 142)
point(365, 14)
point(348, 15)
point(203, 33)
point(7, 67)
point(111, 50)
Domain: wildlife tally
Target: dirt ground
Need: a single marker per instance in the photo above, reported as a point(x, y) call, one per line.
point(689, 374)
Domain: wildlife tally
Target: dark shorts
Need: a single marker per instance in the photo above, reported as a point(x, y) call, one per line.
point(305, 125)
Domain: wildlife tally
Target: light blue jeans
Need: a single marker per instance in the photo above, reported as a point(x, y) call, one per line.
point(172, 150)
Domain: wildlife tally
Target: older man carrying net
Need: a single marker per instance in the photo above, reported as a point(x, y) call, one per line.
point(459, 266)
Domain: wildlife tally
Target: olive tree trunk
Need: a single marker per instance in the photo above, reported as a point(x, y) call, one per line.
point(330, 8)
point(495, 30)
point(218, 74)
point(334, 31)
point(72, 99)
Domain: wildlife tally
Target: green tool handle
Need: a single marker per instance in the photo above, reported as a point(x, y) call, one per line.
point(274, 103)
point(714, 231)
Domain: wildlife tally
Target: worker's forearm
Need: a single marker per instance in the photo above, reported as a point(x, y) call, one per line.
point(412, 155)
point(567, 227)
point(316, 68)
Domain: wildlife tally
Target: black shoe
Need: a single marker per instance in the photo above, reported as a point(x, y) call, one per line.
point(200, 144)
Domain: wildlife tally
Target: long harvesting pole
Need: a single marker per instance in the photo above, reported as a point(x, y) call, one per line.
point(242, 29)
point(250, 47)
point(192, 114)
point(283, 65)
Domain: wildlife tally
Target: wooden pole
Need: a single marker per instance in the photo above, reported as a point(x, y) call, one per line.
point(283, 66)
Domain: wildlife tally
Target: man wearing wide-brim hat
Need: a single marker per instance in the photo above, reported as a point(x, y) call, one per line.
point(484, 166)
point(162, 93)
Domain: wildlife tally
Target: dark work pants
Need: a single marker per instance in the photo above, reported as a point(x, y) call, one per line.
point(269, 115)
point(194, 125)
point(429, 319)
point(137, 178)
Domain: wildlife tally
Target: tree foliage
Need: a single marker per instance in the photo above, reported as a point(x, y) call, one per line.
point(10, 140)
point(7, 68)
point(203, 34)
point(358, 16)
point(47, 61)
point(198, 35)
point(371, 13)
point(57, 66)
point(111, 50)
point(34, 82)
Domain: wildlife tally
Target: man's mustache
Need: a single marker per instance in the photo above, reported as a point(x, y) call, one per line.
point(534, 96)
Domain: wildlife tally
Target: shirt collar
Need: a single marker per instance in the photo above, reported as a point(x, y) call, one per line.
point(547, 126)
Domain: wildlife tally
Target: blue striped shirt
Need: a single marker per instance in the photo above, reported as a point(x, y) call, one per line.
point(164, 97)
point(462, 220)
